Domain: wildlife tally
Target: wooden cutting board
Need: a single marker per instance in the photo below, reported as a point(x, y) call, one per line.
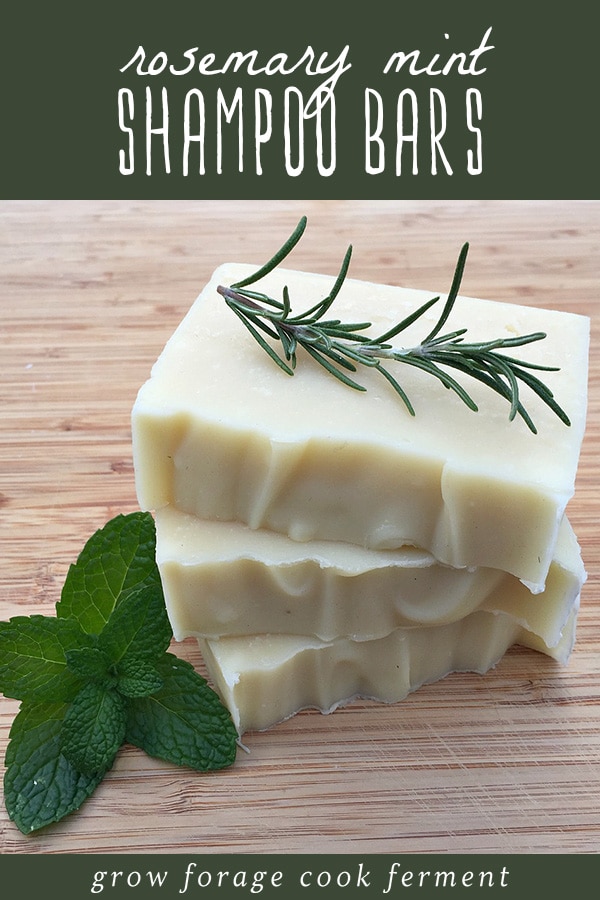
point(90, 291)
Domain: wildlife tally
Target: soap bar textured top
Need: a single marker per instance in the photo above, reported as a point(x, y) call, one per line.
point(219, 431)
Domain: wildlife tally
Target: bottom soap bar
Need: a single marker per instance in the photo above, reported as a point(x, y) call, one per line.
point(267, 678)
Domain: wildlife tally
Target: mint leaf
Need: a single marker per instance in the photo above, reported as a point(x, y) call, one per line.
point(40, 784)
point(33, 663)
point(137, 627)
point(91, 664)
point(138, 678)
point(93, 728)
point(184, 722)
point(116, 559)
point(99, 674)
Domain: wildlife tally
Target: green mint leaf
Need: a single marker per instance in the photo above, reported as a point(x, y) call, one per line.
point(40, 784)
point(99, 674)
point(184, 722)
point(33, 663)
point(137, 627)
point(91, 664)
point(138, 678)
point(116, 559)
point(93, 728)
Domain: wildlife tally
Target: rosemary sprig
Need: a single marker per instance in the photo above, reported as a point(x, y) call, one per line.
point(340, 347)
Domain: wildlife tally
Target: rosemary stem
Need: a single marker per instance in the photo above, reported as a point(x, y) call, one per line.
point(339, 346)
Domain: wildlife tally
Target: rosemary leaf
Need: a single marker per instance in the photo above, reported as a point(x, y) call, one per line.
point(323, 361)
point(278, 258)
point(338, 346)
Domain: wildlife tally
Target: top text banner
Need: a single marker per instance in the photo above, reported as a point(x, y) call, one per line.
point(455, 99)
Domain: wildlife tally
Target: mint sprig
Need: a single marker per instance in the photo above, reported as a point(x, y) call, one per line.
point(171, 724)
point(99, 675)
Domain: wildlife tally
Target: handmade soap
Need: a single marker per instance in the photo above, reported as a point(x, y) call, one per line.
point(221, 432)
point(223, 578)
point(266, 679)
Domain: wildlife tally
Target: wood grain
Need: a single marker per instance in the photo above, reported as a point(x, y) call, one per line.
point(509, 762)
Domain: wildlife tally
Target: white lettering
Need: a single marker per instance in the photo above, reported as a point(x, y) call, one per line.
point(325, 878)
point(374, 136)
point(248, 61)
point(126, 162)
point(229, 112)
point(188, 136)
point(132, 879)
point(140, 56)
point(287, 136)
point(436, 136)
point(398, 60)
point(410, 136)
point(188, 54)
point(474, 160)
point(483, 48)
point(326, 170)
point(262, 135)
point(163, 129)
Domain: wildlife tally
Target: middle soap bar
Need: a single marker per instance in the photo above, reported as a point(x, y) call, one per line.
point(220, 432)
point(223, 578)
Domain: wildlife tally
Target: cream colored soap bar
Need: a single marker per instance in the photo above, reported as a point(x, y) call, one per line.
point(221, 432)
point(266, 679)
point(223, 578)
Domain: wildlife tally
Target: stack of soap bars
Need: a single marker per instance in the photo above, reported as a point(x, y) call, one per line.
point(322, 543)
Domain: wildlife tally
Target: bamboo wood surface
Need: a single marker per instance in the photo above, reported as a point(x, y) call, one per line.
point(90, 291)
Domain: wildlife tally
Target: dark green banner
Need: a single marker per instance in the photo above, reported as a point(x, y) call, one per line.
point(432, 877)
point(386, 99)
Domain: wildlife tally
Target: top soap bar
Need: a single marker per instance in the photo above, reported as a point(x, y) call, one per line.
point(221, 432)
